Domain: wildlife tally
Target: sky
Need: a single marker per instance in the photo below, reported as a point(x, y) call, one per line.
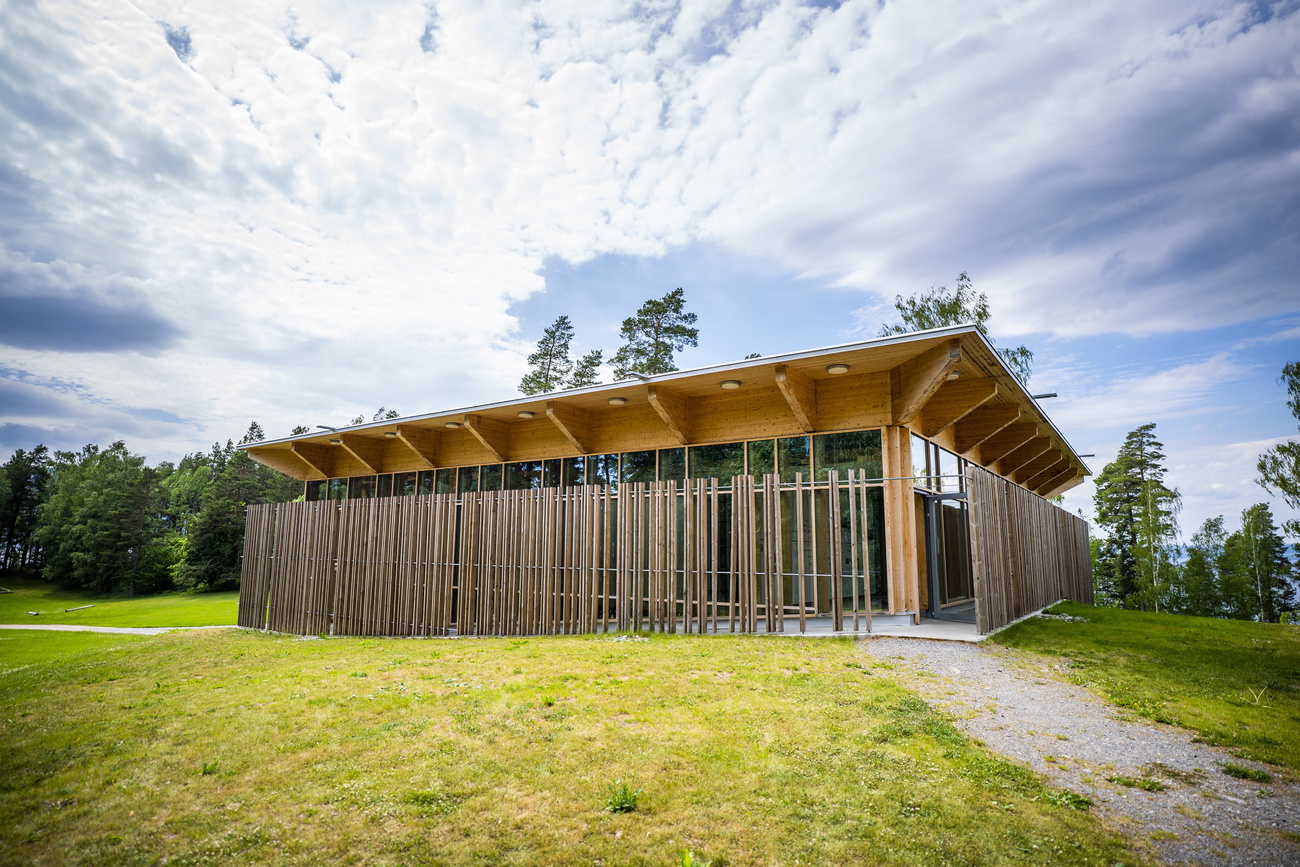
point(214, 212)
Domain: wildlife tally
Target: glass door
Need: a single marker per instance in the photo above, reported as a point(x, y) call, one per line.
point(951, 584)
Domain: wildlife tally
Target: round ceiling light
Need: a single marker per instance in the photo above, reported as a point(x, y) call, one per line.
point(336, 441)
point(526, 413)
point(452, 425)
point(390, 433)
point(837, 368)
point(730, 384)
point(617, 401)
point(955, 374)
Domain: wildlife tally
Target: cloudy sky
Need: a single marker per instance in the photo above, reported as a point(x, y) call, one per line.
point(212, 212)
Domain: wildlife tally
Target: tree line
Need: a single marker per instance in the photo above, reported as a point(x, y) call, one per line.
point(104, 521)
point(1244, 574)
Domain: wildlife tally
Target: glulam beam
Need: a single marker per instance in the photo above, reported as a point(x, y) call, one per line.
point(422, 442)
point(800, 393)
point(574, 423)
point(1006, 442)
point(914, 382)
point(319, 458)
point(673, 410)
point(982, 425)
point(954, 401)
point(368, 451)
point(493, 434)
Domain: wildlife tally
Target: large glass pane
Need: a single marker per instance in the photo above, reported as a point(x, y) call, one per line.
point(338, 489)
point(405, 484)
point(672, 465)
point(762, 458)
point(852, 450)
point(723, 461)
point(522, 476)
point(385, 486)
point(638, 467)
point(491, 477)
point(949, 471)
point(792, 456)
point(603, 470)
point(361, 487)
point(467, 480)
point(314, 491)
point(551, 474)
point(445, 482)
point(876, 547)
point(921, 463)
point(575, 470)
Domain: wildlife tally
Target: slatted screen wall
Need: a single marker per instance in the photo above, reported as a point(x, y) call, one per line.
point(1026, 552)
point(556, 561)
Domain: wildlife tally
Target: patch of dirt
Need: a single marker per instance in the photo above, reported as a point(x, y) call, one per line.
point(1148, 779)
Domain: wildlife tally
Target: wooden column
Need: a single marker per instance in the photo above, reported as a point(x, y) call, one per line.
point(900, 523)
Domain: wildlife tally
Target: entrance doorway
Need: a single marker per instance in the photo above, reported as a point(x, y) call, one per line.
point(950, 579)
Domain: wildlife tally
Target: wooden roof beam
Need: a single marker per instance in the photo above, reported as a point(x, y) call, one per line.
point(369, 451)
point(1055, 468)
point(284, 461)
point(800, 393)
point(914, 382)
point(1032, 467)
point(674, 410)
point(1049, 475)
point(493, 434)
point(422, 442)
point(1047, 481)
point(954, 401)
point(319, 458)
point(1062, 483)
point(983, 424)
point(574, 423)
point(1031, 450)
point(1006, 442)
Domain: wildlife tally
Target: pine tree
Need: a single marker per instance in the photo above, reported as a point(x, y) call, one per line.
point(1256, 574)
point(27, 475)
point(1140, 512)
point(942, 307)
point(1279, 467)
point(660, 328)
point(550, 363)
point(586, 371)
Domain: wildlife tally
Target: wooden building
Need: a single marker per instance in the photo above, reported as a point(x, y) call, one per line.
point(899, 477)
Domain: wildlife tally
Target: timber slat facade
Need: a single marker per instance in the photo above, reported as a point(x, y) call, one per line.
point(1026, 552)
point(661, 557)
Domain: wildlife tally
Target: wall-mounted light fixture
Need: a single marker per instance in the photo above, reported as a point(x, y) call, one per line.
point(617, 401)
point(1043, 395)
point(731, 384)
point(452, 425)
point(837, 369)
point(526, 413)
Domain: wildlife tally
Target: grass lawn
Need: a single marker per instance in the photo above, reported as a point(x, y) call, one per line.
point(209, 747)
point(167, 609)
point(1235, 683)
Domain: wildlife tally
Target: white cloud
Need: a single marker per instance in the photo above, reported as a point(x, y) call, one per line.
point(336, 217)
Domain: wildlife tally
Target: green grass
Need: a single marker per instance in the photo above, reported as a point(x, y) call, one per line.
point(167, 609)
point(1237, 684)
point(220, 746)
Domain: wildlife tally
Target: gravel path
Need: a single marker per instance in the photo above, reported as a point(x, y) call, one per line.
point(1019, 705)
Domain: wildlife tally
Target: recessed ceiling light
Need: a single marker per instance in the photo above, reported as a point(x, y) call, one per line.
point(452, 425)
point(526, 413)
point(730, 384)
point(617, 401)
point(837, 368)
